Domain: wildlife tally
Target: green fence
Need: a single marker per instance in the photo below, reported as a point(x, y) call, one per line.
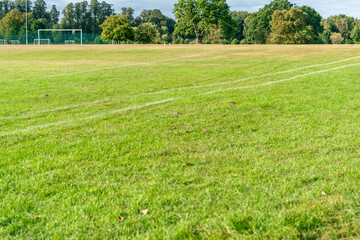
point(68, 37)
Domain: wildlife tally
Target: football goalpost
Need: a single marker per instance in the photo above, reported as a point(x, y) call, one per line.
point(42, 41)
point(61, 36)
point(15, 42)
point(3, 42)
point(69, 42)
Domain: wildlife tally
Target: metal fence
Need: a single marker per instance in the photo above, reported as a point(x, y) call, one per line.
point(19, 37)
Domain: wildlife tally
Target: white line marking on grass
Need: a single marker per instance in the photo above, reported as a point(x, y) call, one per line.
point(249, 78)
point(283, 80)
point(55, 109)
point(184, 88)
point(163, 101)
point(36, 127)
point(107, 68)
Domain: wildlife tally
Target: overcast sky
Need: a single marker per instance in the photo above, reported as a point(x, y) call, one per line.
point(324, 7)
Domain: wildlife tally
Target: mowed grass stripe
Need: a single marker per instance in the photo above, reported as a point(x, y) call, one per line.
point(272, 162)
point(33, 128)
point(180, 89)
point(107, 68)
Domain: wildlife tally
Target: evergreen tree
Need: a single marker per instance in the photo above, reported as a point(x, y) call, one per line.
point(99, 12)
point(68, 20)
point(129, 13)
point(39, 10)
point(54, 15)
point(21, 5)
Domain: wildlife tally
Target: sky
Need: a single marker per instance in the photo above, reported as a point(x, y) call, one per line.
point(325, 7)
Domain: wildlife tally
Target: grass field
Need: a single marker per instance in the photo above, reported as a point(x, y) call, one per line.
point(180, 142)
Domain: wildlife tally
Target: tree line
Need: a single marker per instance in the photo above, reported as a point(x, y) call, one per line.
point(211, 21)
point(85, 15)
point(279, 22)
point(198, 21)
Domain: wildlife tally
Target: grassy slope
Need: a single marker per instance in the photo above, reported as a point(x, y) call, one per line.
point(280, 162)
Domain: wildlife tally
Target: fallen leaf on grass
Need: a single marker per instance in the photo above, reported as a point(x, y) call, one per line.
point(186, 163)
point(35, 216)
point(145, 211)
point(121, 218)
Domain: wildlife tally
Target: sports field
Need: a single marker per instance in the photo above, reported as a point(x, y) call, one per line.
point(180, 142)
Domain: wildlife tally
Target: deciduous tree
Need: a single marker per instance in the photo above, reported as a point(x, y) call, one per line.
point(257, 26)
point(116, 28)
point(313, 19)
point(13, 21)
point(146, 33)
point(355, 34)
point(289, 27)
point(164, 25)
point(239, 18)
point(336, 38)
point(196, 17)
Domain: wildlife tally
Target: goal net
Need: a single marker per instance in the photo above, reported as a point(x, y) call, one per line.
point(3, 42)
point(61, 36)
point(42, 42)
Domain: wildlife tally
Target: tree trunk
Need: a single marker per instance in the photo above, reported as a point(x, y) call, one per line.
point(199, 36)
point(198, 39)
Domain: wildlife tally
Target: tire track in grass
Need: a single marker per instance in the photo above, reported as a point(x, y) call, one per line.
point(182, 88)
point(36, 127)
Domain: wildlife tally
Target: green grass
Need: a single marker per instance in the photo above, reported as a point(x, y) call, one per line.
point(278, 161)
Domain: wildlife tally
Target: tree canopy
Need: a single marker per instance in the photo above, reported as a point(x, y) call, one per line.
point(196, 17)
point(146, 33)
point(196, 21)
point(290, 27)
point(116, 28)
point(13, 21)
